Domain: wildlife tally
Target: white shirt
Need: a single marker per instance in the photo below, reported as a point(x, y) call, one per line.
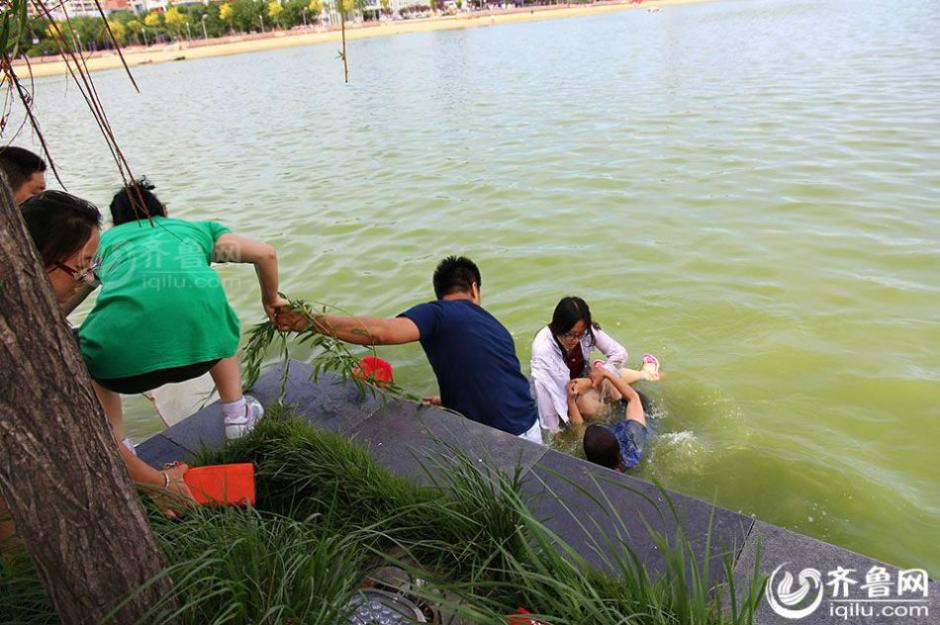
point(550, 374)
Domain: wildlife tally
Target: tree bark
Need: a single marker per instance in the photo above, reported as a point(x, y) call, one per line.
point(75, 509)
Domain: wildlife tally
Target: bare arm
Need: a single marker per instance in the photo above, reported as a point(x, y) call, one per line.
point(358, 330)
point(166, 487)
point(145, 475)
point(634, 405)
point(233, 248)
point(574, 390)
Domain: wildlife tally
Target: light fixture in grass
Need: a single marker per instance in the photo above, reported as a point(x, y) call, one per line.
point(327, 353)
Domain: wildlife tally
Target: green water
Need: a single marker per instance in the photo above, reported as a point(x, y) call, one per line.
point(750, 190)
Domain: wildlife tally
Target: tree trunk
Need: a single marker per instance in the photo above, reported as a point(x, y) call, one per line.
point(69, 494)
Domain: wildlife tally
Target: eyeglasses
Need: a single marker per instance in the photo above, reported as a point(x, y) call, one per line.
point(573, 336)
point(82, 275)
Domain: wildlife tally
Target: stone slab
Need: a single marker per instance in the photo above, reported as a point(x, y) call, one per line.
point(794, 553)
point(413, 440)
point(329, 403)
point(159, 450)
point(598, 511)
point(205, 428)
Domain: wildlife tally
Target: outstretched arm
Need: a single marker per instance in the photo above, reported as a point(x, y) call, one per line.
point(634, 405)
point(358, 330)
point(166, 487)
point(232, 248)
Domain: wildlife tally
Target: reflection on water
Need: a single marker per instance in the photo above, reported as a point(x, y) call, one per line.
point(747, 189)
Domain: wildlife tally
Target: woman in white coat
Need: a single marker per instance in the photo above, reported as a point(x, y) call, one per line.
point(561, 353)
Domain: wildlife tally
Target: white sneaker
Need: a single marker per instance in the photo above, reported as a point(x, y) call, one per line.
point(239, 426)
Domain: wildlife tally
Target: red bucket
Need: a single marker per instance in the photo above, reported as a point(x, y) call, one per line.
point(374, 370)
point(222, 484)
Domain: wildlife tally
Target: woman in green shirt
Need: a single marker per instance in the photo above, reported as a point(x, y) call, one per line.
point(162, 315)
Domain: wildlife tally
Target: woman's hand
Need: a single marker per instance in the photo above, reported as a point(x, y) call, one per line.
point(272, 306)
point(287, 320)
point(578, 387)
point(175, 496)
point(597, 375)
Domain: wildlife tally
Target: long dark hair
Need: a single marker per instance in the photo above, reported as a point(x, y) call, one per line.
point(59, 224)
point(569, 311)
point(136, 201)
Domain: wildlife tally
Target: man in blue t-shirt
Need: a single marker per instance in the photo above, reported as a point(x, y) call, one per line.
point(472, 354)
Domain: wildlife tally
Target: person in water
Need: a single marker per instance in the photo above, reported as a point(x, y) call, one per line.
point(472, 354)
point(162, 315)
point(621, 446)
point(561, 353)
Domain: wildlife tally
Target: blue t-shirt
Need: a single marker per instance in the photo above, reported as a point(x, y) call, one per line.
point(474, 359)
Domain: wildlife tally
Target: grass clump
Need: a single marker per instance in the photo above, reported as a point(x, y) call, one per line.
point(248, 566)
point(305, 474)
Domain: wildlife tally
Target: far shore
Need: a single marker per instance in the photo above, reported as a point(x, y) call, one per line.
point(257, 42)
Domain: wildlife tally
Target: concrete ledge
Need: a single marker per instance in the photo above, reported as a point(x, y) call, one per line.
point(412, 440)
point(159, 450)
point(329, 404)
point(593, 509)
point(597, 510)
point(797, 552)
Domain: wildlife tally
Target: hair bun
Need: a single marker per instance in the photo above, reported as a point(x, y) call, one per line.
point(145, 184)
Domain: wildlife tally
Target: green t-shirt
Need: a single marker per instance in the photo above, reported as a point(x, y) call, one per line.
point(161, 304)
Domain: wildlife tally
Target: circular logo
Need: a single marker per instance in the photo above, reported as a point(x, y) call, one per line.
point(786, 601)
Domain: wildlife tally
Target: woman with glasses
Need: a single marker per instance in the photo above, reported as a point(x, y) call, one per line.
point(66, 232)
point(562, 375)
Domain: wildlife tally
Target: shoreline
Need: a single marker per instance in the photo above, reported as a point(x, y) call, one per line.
point(243, 44)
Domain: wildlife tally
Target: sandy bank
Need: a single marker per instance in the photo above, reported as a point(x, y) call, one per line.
point(199, 49)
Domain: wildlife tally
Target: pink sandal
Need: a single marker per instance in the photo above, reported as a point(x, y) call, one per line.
point(650, 366)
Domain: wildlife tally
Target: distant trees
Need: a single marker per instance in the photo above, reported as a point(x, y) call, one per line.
point(175, 21)
point(275, 8)
point(219, 19)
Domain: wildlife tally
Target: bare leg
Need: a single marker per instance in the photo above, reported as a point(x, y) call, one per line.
point(111, 402)
point(632, 375)
point(228, 379)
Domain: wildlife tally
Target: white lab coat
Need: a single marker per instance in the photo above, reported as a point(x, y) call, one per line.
point(550, 374)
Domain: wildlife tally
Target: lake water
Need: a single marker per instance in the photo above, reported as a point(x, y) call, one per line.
point(750, 190)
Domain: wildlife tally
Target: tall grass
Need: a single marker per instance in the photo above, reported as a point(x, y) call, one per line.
point(246, 566)
point(306, 474)
point(327, 515)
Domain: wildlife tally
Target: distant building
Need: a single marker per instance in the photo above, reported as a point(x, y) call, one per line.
point(85, 8)
point(156, 5)
point(373, 8)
